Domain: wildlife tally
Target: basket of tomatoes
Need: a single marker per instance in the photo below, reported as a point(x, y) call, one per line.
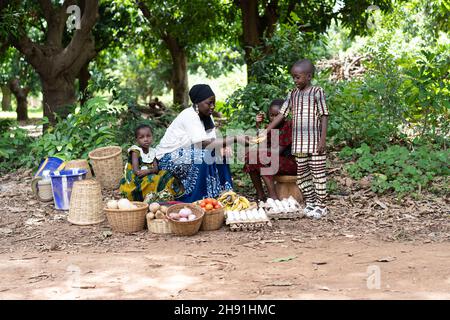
point(214, 214)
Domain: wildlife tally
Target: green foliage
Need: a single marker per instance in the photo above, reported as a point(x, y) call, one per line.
point(14, 144)
point(88, 127)
point(397, 168)
point(272, 72)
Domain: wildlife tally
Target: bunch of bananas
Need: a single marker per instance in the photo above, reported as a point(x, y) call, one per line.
point(232, 201)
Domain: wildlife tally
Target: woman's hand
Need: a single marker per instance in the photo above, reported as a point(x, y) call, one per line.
point(226, 152)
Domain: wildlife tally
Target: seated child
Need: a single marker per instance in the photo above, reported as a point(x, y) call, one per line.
point(142, 175)
point(286, 161)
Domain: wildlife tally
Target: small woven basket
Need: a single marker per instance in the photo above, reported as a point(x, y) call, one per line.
point(108, 166)
point(86, 206)
point(186, 228)
point(158, 226)
point(127, 221)
point(81, 164)
point(213, 220)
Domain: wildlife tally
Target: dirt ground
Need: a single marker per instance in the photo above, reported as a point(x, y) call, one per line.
point(368, 247)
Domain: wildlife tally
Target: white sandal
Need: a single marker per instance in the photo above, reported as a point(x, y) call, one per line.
point(309, 207)
point(317, 213)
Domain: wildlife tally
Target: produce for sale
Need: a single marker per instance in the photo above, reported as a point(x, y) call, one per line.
point(209, 204)
point(124, 204)
point(163, 209)
point(159, 215)
point(277, 206)
point(153, 207)
point(234, 202)
point(247, 216)
point(112, 204)
point(185, 214)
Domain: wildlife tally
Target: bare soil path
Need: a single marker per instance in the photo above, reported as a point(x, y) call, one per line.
point(368, 247)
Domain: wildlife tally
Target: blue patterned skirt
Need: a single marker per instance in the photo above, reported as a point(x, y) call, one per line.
point(200, 172)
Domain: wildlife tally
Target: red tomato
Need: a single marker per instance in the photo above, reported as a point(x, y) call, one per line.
point(215, 202)
point(202, 204)
point(209, 206)
point(217, 206)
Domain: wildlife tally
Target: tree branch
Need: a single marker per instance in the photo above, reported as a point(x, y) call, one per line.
point(47, 9)
point(32, 52)
point(81, 37)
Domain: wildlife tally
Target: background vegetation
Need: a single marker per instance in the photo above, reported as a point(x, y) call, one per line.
point(389, 119)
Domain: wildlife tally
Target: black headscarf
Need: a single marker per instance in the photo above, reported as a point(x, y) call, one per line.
point(198, 93)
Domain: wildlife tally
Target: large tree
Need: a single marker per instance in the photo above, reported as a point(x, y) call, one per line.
point(41, 29)
point(179, 27)
point(259, 19)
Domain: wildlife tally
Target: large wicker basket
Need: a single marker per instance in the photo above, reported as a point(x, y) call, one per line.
point(127, 220)
point(108, 166)
point(213, 220)
point(159, 226)
point(186, 228)
point(86, 206)
point(81, 164)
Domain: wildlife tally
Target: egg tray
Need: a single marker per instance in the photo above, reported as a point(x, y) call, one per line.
point(285, 215)
point(248, 225)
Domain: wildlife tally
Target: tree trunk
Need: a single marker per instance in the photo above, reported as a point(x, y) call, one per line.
point(83, 80)
point(21, 95)
point(250, 27)
point(58, 96)
point(179, 71)
point(180, 80)
point(6, 98)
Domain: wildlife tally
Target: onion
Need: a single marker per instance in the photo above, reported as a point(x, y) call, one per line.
point(174, 216)
point(183, 219)
point(185, 212)
point(192, 217)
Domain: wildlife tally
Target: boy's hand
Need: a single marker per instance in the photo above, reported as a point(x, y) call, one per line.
point(321, 147)
point(259, 118)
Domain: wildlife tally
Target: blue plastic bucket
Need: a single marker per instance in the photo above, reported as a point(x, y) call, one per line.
point(62, 182)
point(51, 164)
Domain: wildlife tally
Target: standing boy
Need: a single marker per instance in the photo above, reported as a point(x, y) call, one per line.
point(310, 119)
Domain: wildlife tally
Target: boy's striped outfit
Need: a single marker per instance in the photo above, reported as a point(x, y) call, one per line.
point(307, 107)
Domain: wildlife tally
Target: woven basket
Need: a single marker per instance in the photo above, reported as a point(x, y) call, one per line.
point(186, 228)
point(158, 226)
point(108, 166)
point(86, 206)
point(81, 164)
point(127, 220)
point(213, 220)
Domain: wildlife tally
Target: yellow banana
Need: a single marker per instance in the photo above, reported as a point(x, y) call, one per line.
point(244, 201)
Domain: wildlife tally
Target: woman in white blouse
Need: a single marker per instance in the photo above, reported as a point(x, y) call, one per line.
point(187, 149)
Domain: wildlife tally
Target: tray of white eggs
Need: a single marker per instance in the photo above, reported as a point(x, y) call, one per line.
point(252, 219)
point(287, 208)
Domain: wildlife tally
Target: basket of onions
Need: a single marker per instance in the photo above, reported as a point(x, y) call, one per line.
point(185, 219)
point(126, 216)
